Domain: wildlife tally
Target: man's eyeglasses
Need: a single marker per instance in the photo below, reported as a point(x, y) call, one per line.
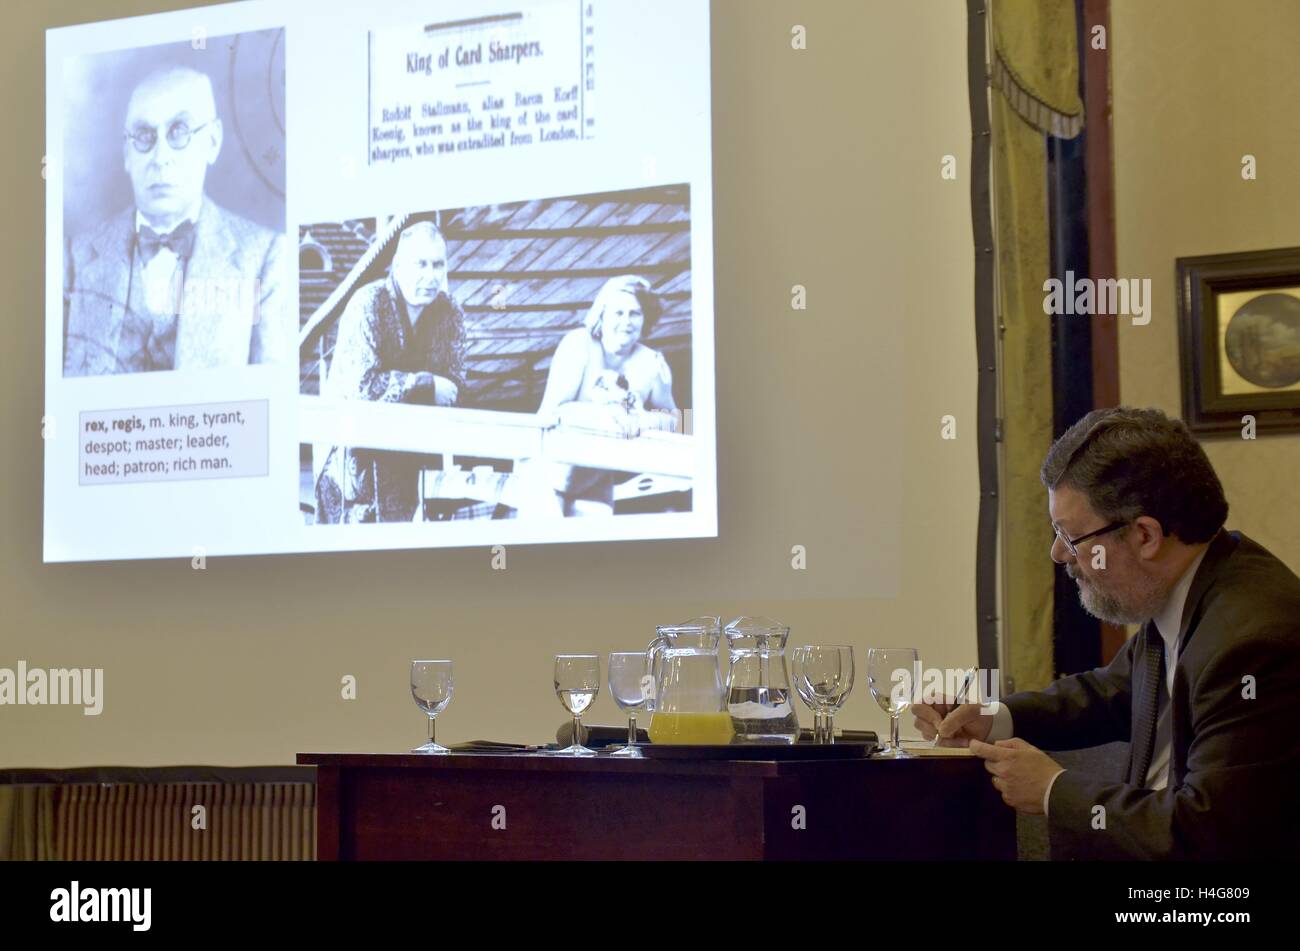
point(1070, 543)
point(179, 133)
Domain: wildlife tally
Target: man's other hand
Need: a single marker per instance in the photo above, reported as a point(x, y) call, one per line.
point(1020, 772)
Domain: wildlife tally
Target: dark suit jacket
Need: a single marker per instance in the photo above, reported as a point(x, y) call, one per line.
point(1234, 772)
point(235, 311)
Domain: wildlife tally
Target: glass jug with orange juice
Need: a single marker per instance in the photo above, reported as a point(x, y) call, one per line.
point(690, 702)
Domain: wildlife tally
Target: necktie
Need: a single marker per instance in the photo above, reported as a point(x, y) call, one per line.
point(180, 240)
point(1148, 700)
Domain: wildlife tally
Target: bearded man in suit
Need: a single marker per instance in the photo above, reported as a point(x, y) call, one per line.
point(1206, 693)
point(174, 282)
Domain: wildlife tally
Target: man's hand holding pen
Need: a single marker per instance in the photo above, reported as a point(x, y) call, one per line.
point(1021, 772)
point(953, 724)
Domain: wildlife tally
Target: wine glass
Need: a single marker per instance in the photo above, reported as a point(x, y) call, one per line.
point(631, 686)
point(892, 682)
point(577, 681)
point(826, 674)
point(431, 686)
point(829, 670)
point(798, 658)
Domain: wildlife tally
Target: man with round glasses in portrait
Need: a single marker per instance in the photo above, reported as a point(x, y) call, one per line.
point(174, 282)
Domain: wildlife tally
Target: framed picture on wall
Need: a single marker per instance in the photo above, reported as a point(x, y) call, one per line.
point(1239, 339)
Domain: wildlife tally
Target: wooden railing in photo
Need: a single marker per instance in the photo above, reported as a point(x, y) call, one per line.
point(667, 457)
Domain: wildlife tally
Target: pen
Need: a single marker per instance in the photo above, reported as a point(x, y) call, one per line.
point(961, 696)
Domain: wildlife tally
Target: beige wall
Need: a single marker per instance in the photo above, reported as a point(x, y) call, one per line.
point(1197, 85)
point(827, 175)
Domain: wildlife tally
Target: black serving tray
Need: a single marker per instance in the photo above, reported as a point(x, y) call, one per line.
point(843, 749)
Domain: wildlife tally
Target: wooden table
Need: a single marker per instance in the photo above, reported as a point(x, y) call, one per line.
point(535, 806)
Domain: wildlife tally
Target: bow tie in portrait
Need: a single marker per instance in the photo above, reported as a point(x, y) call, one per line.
point(180, 241)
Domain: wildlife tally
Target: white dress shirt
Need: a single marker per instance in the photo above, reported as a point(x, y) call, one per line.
point(163, 274)
point(1168, 621)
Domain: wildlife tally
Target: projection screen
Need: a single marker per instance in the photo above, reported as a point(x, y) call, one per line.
point(334, 276)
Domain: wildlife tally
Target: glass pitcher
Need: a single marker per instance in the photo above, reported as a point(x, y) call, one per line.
point(689, 701)
point(758, 682)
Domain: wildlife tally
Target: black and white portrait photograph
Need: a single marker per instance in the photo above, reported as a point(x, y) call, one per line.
point(174, 207)
point(523, 360)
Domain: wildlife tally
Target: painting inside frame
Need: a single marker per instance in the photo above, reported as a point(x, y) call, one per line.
point(1239, 334)
point(1259, 341)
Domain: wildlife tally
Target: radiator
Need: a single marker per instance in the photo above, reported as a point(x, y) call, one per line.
point(157, 821)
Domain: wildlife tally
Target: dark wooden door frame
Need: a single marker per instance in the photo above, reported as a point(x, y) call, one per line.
point(1099, 161)
point(986, 546)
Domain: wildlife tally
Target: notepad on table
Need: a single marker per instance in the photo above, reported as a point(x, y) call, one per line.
point(923, 748)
